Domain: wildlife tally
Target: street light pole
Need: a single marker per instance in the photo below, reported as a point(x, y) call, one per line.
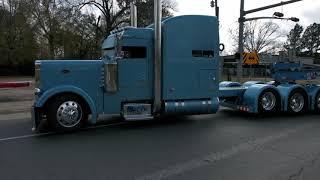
point(294, 19)
point(242, 19)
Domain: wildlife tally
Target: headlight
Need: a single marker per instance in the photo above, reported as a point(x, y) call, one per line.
point(37, 74)
point(37, 92)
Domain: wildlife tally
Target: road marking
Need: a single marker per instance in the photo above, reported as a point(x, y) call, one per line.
point(104, 125)
point(51, 133)
point(25, 136)
point(217, 156)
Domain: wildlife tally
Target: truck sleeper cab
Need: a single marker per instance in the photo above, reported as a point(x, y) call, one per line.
point(122, 82)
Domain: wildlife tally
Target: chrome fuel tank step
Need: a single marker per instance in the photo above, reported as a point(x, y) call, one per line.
point(137, 111)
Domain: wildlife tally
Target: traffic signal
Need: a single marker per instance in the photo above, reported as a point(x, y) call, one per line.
point(278, 14)
point(294, 19)
point(212, 3)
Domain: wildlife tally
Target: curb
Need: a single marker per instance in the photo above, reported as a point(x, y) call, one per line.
point(15, 84)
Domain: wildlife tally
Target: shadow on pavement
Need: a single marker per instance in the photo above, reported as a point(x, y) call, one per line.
point(268, 117)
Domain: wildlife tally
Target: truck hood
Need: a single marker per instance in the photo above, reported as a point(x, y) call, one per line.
point(68, 72)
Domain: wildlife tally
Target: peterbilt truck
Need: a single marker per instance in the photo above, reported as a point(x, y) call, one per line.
point(123, 82)
point(170, 67)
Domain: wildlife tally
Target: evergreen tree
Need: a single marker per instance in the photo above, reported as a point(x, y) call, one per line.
point(294, 39)
point(311, 39)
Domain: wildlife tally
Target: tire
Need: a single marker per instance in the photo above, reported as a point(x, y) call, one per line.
point(297, 102)
point(269, 101)
point(317, 103)
point(66, 113)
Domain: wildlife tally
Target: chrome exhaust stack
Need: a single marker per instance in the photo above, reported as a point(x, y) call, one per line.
point(157, 56)
point(133, 14)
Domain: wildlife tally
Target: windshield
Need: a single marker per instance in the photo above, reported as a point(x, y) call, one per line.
point(109, 52)
point(109, 46)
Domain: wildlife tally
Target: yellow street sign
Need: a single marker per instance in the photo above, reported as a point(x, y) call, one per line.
point(251, 58)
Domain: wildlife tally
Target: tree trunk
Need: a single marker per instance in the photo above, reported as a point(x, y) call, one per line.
point(51, 47)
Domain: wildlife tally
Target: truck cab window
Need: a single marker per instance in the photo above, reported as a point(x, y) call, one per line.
point(197, 53)
point(208, 54)
point(203, 53)
point(134, 52)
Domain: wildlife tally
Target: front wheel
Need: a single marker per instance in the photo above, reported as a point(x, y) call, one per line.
point(66, 113)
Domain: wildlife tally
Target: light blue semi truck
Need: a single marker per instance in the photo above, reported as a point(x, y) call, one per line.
point(171, 67)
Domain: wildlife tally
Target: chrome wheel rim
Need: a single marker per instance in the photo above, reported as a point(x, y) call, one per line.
point(69, 114)
point(297, 102)
point(268, 101)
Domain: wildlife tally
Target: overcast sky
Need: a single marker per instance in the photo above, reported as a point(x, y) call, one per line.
point(308, 11)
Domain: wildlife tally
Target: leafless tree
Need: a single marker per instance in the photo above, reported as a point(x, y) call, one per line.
point(114, 12)
point(44, 12)
point(260, 37)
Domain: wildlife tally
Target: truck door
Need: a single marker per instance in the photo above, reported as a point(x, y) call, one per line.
point(128, 78)
point(133, 73)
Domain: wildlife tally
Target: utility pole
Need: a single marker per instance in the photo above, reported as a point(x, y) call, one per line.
point(214, 4)
point(242, 19)
point(240, 50)
point(217, 9)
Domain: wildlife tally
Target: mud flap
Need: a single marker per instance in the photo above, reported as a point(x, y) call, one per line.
point(36, 118)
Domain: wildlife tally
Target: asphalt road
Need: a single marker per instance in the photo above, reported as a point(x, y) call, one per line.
point(227, 145)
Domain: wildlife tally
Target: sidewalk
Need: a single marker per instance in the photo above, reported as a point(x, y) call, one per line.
point(16, 94)
point(15, 107)
point(15, 103)
point(15, 116)
point(15, 78)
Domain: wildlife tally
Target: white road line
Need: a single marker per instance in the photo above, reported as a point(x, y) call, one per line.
point(214, 157)
point(25, 136)
point(50, 133)
point(104, 125)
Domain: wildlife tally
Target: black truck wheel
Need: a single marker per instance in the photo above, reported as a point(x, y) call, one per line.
point(317, 103)
point(66, 113)
point(269, 101)
point(297, 101)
